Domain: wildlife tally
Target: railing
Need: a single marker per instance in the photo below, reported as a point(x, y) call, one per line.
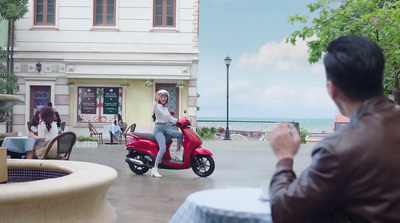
point(246, 130)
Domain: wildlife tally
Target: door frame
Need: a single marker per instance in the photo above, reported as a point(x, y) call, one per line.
point(31, 102)
point(28, 85)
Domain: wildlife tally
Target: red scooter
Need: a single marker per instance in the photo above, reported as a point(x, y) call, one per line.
point(143, 149)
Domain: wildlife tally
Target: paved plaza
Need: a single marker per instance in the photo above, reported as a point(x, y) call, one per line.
point(144, 199)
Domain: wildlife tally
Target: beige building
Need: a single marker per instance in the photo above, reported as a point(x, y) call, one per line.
point(100, 46)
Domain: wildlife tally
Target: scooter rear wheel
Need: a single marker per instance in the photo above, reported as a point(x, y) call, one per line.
point(203, 166)
point(136, 168)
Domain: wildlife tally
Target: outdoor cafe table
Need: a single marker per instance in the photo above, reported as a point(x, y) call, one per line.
point(224, 205)
point(114, 130)
point(19, 145)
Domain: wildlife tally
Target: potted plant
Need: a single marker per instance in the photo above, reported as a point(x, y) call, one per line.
point(180, 85)
point(71, 83)
point(148, 84)
point(83, 141)
point(125, 83)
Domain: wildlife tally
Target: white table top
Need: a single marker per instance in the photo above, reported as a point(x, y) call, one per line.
point(224, 205)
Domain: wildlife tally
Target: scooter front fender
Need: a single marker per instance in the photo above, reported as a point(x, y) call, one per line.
point(201, 151)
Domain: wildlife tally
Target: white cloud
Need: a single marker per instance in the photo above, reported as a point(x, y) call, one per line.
point(249, 98)
point(281, 57)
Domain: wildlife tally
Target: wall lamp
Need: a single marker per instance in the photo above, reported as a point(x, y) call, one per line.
point(39, 67)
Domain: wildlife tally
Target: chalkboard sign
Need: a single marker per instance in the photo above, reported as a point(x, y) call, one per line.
point(40, 98)
point(110, 100)
point(88, 100)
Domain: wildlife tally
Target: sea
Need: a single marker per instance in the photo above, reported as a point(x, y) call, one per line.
point(310, 124)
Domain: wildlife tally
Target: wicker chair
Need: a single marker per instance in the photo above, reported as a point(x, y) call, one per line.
point(93, 132)
point(123, 129)
point(65, 143)
point(131, 128)
point(62, 126)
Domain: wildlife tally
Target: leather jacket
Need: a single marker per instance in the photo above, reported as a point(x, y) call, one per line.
point(354, 175)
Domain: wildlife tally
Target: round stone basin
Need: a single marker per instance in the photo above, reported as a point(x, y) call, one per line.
point(56, 191)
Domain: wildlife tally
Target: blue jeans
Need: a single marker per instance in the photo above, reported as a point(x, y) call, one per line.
point(160, 130)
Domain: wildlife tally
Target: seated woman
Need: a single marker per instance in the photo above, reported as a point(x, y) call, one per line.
point(47, 131)
point(118, 122)
point(35, 122)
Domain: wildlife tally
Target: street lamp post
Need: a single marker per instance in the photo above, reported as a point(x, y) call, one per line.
point(227, 63)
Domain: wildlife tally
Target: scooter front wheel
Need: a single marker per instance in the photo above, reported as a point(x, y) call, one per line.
point(202, 165)
point(138, 169)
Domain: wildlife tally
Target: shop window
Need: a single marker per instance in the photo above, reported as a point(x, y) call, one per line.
point(98, 104)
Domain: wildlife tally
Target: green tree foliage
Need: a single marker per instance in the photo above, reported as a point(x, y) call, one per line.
point(10, 10)
point(13, 9)
point(303, 134)
point(205, 133)
point(378, 20)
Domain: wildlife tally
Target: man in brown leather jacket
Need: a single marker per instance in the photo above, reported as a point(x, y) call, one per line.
point(355, 172)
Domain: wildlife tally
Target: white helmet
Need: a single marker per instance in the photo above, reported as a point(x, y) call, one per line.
point(163, 92)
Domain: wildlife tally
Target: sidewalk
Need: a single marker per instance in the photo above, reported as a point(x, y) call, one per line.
point(144, 199)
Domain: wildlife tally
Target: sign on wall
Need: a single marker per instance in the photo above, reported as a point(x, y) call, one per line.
point(88, 100)
point(98, 104)
point(40, 98)
point(111, 100)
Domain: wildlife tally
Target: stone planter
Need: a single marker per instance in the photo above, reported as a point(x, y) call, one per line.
point(86, 144)
point(6, 104)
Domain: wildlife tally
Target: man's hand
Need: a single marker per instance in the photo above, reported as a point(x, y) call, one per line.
point(283, 143)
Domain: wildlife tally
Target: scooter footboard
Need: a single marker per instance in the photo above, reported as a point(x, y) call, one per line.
point(202, 151)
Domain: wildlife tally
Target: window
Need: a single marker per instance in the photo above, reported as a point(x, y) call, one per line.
point(104, 13)
point(45, 12)
point(164, 13)
point(98, 104)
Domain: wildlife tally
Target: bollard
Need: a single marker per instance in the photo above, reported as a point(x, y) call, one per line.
point(3, 165)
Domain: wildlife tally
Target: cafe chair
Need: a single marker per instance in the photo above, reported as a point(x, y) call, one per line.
point(93, 132)
point(62, 126)
point(131, 128)
point(65, 141)
point(123, 129)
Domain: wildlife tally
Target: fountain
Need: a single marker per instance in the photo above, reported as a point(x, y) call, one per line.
point(52, 190)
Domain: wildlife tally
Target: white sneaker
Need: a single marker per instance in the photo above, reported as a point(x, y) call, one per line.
point(177, 155)
point(154, 173)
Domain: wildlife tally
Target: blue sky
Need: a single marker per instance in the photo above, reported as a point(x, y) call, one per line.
point(267, 77)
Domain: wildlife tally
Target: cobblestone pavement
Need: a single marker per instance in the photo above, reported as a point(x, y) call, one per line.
point(143, 199)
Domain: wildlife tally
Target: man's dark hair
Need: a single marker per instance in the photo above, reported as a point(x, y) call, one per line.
point(355, 65)
point(50, 104)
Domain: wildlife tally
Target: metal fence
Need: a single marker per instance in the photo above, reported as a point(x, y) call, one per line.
point(245, 130)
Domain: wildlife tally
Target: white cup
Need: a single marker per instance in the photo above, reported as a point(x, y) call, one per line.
point(19, 133)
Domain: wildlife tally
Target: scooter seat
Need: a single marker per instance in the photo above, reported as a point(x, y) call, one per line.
point(151, 137)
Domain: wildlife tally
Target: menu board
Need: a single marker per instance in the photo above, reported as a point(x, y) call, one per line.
point(40, 98)
point(88, 100)
point(110, 100)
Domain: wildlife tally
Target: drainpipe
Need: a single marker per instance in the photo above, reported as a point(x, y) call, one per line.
point(8, 46)
point(9, 124)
